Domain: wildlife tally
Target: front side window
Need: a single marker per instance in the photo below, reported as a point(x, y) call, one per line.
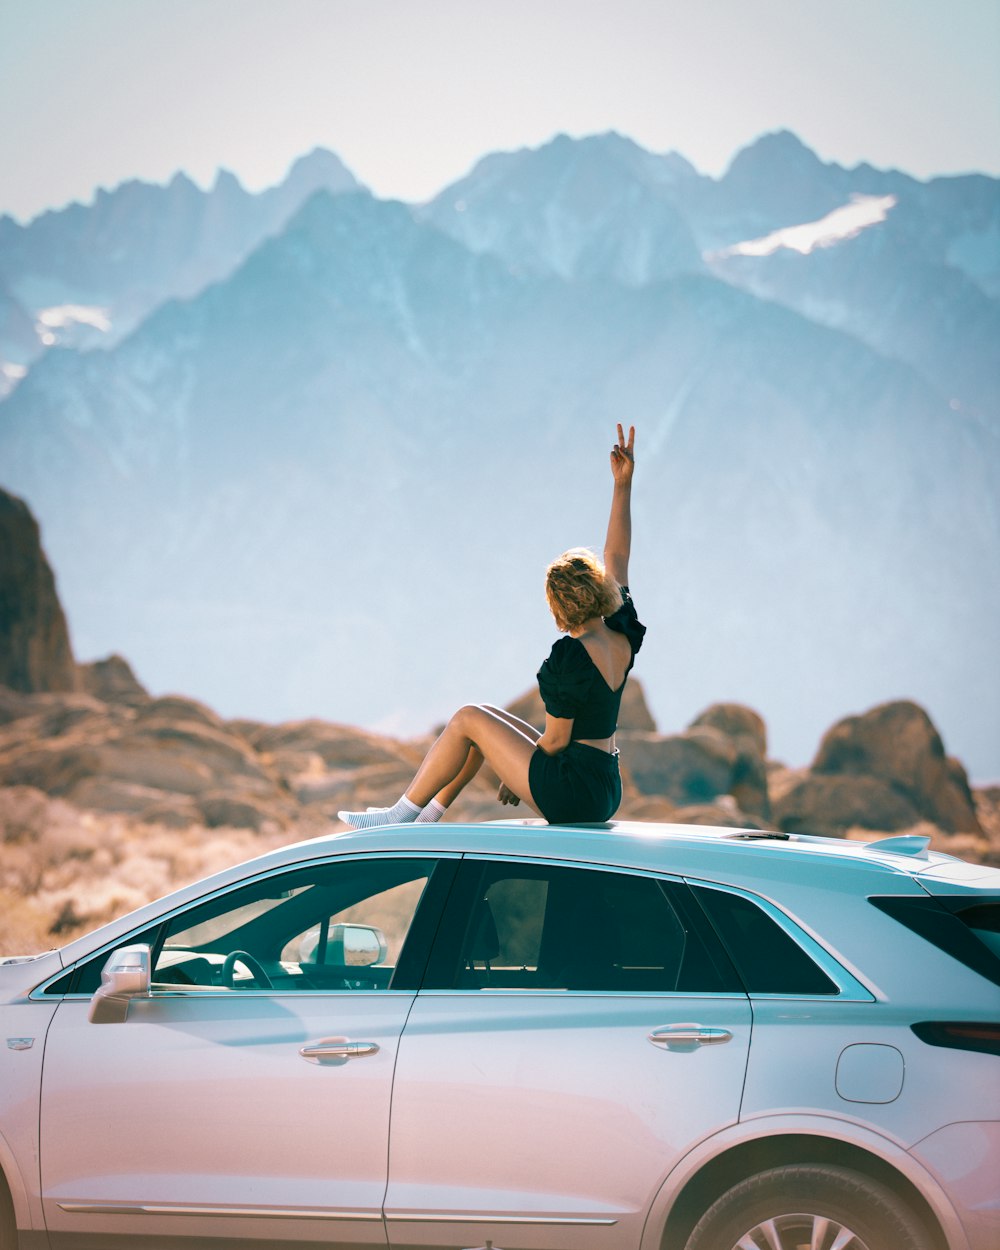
point(333, 926)
point(338, 925)
point(541, 927)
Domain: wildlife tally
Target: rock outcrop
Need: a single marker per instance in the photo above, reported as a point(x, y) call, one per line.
point(113, 681)
point(898, 746)
point(170, 759)
point(722, 752)
point(35, 651)
point(896, 743)
point(831, 805)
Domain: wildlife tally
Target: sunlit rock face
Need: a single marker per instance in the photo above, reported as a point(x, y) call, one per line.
point(898, 743)
point(35, 652)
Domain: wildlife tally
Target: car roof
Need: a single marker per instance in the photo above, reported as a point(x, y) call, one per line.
point(747, 858)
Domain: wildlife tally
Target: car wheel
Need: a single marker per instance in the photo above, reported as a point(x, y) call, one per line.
point(8, 1226)
point(818, 1207)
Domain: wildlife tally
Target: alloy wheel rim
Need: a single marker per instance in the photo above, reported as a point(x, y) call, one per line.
point(800, 1231)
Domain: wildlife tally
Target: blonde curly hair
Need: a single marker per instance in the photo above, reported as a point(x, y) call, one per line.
point(578, 588)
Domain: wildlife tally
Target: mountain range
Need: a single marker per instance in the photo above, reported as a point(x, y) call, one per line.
point(328, 442)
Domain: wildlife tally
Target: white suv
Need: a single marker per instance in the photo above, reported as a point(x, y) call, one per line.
point(517, 1035)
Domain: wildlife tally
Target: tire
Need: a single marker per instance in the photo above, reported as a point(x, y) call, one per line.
point(810, 1206)
point(8, 1226)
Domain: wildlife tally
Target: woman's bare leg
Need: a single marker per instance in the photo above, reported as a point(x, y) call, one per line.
point(505, 748)
point(529, 731)
point(449, 793)
point(474, 761)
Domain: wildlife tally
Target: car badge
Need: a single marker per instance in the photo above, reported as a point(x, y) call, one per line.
point(20, 1043)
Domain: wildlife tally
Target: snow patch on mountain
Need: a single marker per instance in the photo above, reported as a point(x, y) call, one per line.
point(62, 324)
point(846, 222)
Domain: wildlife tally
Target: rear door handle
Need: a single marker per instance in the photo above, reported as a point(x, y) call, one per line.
point(688, 1035)
point(336, 1050)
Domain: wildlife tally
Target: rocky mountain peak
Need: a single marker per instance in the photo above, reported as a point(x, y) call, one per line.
point(600, 206)
point(321, 168)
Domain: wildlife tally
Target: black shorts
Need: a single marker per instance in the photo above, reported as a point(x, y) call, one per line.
point(580, 785)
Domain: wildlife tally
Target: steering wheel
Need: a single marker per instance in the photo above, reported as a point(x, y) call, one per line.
point(252, 965)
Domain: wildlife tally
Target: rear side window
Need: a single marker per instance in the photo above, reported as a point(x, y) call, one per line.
point(768, 959)
point(518, 926)
point(968, 931)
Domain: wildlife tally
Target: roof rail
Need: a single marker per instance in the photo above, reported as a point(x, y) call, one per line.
point(748, 835)
point(914, 844)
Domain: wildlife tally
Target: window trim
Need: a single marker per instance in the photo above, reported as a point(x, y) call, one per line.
point(159, 924)
point(849, 988)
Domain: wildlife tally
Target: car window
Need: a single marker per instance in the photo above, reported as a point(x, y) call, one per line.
point(330, 926)
point(542, 927)
point(85, 977)
point(333, 926)
point(967, 929)
point(768, 959)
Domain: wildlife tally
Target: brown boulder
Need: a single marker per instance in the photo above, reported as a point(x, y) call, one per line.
point(736, 721)
point(175, 707)
point(898, 744)
point(33, 716)
point(830, 805)
point(337, 746)
point(697, 767)
point(112, 681)
point(718, 815)
point(142, 762)
point(35, 652)
point(112, 794)
point(684, 768)
point(240, 812)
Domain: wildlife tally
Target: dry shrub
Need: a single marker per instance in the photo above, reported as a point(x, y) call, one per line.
point(25, 928)
point(64, 871)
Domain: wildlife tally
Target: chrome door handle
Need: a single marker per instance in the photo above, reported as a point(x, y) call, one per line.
point(689, 1035)
point(332, 1052)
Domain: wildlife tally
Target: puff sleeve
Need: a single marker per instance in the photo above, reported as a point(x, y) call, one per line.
point(565, 679)
point(626, 622)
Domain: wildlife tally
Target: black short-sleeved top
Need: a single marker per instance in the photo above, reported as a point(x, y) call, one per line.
point(571, 684)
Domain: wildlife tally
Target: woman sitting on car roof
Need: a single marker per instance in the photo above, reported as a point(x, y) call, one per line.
point(568, 772)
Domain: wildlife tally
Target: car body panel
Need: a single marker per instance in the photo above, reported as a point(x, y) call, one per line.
point(963, 1158)
point(204, 1101)
point(555, 1106)
point(795, 1128)
point(23, 1026)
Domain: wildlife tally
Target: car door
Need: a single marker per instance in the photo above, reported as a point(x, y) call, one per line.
point(578, 1031)
point(248, 1095)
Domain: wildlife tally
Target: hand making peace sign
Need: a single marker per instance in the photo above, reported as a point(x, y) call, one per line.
point(623, 457)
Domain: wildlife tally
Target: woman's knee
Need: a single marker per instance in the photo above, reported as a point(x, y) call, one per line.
point(466, 716)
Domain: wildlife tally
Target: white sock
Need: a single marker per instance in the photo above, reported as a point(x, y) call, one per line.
point(431, 813)
point(404, 812)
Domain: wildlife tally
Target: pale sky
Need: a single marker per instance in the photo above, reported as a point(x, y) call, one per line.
point(410, 93)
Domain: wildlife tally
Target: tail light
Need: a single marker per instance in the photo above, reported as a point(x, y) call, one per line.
point(960, 1035)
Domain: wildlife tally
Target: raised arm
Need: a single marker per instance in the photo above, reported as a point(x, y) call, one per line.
point(618, 544)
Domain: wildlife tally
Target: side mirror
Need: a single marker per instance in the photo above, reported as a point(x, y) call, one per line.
point(356, 945)
point(125, 976)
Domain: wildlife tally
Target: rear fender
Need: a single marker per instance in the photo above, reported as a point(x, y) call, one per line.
point(766, 1129)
